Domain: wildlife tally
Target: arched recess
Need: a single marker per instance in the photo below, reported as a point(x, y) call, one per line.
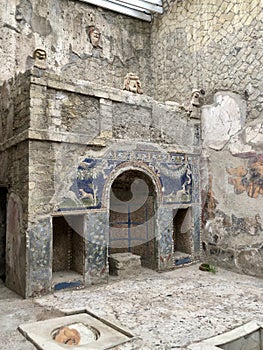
point(133, 197)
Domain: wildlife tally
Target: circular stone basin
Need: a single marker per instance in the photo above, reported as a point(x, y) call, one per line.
point(75, 334)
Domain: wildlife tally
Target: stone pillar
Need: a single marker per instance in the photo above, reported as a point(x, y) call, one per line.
point(106, 118)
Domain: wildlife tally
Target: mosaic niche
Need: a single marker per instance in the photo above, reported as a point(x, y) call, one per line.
point(103, 184)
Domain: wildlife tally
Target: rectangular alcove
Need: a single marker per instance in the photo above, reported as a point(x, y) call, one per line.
point(68, 261)
point(182, 235)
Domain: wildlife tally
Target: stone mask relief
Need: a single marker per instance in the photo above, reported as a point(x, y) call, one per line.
point(197, 98)
point(40, 57)
point(132, 83)
point(94, 35)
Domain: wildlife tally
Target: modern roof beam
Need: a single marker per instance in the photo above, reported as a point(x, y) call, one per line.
point(142, 9)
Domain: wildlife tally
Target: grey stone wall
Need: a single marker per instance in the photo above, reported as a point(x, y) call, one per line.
point(61, 29)
point(3, 204)
point(214, 45)
point(15, 104)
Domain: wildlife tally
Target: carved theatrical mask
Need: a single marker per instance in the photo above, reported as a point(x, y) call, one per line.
point(197, 98)
point(132, 83)
point(40, 57)
point(94, 36)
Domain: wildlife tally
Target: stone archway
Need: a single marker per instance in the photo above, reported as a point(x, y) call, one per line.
point(132, 214)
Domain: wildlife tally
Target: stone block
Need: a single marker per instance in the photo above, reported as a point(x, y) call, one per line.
point(124, 264)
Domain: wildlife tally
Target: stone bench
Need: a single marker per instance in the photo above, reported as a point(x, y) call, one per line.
point(124, 264)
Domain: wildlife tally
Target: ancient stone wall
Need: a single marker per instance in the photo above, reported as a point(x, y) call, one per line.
point(65, 31)
point(216, 45)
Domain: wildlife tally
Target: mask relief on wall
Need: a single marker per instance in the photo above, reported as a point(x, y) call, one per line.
point(94, 35)
point(198, 97)
point(40, 57)
point(132, 83)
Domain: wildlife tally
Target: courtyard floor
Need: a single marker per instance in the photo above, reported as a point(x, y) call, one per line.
point(165, 310)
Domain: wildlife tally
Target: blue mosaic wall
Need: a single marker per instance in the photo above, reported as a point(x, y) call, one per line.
point(178, 176)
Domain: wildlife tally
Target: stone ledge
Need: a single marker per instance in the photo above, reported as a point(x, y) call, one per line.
point(88, 88)
point(234, 339)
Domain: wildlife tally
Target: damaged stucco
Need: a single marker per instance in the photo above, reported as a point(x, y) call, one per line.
point(232, 188)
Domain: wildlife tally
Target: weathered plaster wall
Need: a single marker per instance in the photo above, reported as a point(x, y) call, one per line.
point(232, 185)
point(61, 29)
point(232, 212)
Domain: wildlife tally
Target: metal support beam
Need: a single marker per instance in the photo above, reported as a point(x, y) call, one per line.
point(141, 5)
point(142, 9)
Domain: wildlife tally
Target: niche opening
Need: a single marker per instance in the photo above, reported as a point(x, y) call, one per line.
point(68, 251)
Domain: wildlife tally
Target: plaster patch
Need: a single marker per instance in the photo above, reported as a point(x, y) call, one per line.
point(248, 140)
point(254, 135)
point(222, 120)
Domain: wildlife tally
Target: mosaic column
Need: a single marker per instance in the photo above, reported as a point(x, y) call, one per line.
point(197, 230)
point(96, 232)
point(165, 239)
point(39, 258)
